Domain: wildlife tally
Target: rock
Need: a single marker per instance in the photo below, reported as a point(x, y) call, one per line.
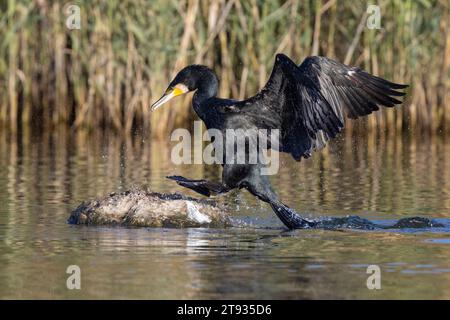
point(356, 222)
point(150, 209)
point(416, 222)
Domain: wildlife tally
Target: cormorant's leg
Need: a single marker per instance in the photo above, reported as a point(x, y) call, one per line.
point(203, 187)
point(289, 217)
point(259, 186)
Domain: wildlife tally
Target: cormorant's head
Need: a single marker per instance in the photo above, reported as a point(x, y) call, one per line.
point(189, 79)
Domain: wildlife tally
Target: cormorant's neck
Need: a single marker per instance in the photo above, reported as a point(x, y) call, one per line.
point(207, 86)
point(203, 94)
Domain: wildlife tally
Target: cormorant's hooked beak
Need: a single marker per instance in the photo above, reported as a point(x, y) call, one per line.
point(170, 93)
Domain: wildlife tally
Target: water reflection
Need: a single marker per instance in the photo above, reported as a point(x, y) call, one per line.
point(386, 177)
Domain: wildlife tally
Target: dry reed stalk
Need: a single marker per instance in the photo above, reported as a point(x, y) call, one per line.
point(106, 74)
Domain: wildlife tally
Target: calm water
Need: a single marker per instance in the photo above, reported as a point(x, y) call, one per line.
point(385, 178)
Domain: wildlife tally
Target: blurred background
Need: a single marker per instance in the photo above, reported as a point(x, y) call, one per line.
point(107, 73)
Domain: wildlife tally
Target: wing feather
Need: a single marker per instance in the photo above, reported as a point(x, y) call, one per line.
point(309, 102)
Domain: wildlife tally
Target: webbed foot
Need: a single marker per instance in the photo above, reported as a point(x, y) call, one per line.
point(204, 187)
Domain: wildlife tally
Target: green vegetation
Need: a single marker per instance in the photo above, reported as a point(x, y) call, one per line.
point(107, 73)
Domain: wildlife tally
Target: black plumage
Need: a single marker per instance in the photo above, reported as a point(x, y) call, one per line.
point(307, 103)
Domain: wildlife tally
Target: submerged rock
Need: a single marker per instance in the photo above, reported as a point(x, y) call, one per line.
point(355, 222)
point(150, 209)
point(416, 223)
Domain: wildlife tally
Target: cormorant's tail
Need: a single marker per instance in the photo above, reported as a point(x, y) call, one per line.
point(290, 218)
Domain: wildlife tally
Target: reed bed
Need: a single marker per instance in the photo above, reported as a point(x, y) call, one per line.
point(107, 73)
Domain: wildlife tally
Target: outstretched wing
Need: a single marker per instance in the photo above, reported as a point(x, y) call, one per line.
point(309, 102)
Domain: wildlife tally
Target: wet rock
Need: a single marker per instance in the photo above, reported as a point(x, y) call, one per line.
point(150, 209)
point(349, 222)
point(416, 222)
point(356, 222)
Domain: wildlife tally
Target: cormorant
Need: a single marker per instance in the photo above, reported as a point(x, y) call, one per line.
point(306, 103)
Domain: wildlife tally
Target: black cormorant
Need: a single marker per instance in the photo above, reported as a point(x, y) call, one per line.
point(306, 103)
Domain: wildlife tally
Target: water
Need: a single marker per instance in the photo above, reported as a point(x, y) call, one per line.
point(43, 178)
